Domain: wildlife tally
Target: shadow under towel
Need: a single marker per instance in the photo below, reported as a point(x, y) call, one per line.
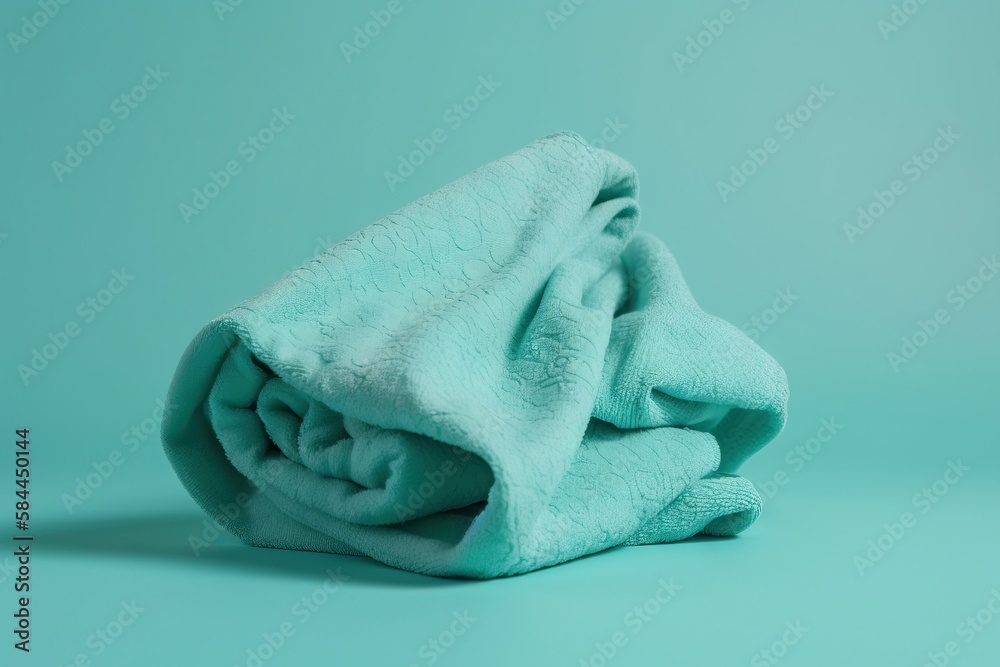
point(501, 376)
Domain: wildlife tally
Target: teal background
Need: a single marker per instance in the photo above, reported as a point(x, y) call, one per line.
point(322, 178)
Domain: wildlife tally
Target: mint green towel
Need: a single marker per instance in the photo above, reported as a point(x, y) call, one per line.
point(498, 377)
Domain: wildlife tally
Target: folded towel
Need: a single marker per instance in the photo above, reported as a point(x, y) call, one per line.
point(498, 377)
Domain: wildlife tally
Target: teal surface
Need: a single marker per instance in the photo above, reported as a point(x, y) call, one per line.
point(249, 140)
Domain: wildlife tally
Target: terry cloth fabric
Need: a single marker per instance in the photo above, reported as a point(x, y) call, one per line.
point(498, 377)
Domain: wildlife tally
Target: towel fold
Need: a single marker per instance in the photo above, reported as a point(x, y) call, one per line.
point(498, 377)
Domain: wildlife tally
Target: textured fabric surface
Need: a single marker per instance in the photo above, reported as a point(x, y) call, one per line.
point(498, 377)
